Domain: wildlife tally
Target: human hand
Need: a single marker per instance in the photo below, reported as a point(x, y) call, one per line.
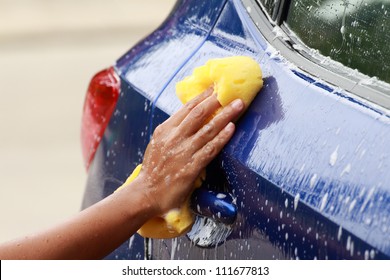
point(183, 146)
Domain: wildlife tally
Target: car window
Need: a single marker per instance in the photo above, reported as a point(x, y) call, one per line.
point(353, 32)
point(271, 6)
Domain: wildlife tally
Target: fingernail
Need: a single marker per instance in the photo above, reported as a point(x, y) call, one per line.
point(229, 127)
point(238, 104)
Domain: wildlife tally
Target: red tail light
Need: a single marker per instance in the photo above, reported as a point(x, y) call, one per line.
point(99, 104)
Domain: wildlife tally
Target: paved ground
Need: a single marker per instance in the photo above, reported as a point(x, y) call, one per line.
point(49, 49)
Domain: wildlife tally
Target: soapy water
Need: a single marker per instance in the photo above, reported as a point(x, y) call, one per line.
point(332, 161)
point(207, 233)
point(173, 248)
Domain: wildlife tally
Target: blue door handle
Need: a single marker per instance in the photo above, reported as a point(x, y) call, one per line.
point(218, 206)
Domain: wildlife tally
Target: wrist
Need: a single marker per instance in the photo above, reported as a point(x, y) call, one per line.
point(140, 196)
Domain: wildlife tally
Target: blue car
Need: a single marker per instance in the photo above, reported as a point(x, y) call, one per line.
point(307, 173)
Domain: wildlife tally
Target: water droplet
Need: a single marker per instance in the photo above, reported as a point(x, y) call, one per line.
point(368, 197)
point(333, 157)
point(313, 180)
point(324, 200)
point(173, 248)
point(367, 220)
point(346, 170)
point(366, 255)
point(340, 232)
point(131, 240)
point(348, 247)
point(352, 205)
point(221, 195)
point(372, 254)
point(296, 201)
point(352, 248)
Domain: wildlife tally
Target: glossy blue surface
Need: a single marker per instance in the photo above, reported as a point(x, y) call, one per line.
point(217, 205)
point(307, 167)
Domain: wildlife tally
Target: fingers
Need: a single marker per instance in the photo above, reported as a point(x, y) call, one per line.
point(210, 150)
point(180, 149)
point(179, 116)
point(198, 115)
point(217, 124)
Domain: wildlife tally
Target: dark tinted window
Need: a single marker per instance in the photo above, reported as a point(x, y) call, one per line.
point(353, 32)
point(271, 6)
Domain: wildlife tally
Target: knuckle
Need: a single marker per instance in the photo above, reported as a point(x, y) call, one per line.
point(198, 112)
point(209, 149)
point(208, 129)
point(189, 106)
point(158, 130)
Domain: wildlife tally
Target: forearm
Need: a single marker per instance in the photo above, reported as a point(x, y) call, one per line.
point(91, 234)
point(180, 148)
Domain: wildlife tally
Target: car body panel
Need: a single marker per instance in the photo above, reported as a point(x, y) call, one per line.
point(307, 166)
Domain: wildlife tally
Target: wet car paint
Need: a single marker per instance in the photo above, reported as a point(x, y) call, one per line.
point(307, 166)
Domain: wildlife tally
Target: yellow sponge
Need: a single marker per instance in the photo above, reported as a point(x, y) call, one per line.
point(232, 78)
point(174, 223)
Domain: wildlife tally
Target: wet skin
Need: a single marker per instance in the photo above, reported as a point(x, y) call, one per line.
point(99, 229)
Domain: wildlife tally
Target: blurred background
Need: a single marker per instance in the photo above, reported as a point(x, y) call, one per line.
point(49, 50)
